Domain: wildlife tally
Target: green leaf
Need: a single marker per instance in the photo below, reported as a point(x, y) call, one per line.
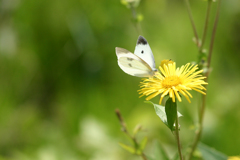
point(160, 111)
point(171, 112)
point(143, 143)
point(127, 148)
point(210, 153)
point(141, 146)
point(176, 157)
point(137, 129)
point(158, 152)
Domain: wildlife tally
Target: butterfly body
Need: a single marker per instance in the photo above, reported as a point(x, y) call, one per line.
point(139, 64)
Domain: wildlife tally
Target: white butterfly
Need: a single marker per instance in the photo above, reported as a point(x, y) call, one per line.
point(139, 64)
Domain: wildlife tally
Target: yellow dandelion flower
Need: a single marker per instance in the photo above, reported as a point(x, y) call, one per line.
point(173, 82)
point(234, 158)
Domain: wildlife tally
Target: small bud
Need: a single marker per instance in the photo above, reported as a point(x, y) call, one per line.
point(139, 17)
point(130, 3)
point(166, 62)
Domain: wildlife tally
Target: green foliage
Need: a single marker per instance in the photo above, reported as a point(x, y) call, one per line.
point(137, 148)
point(210, 153)
point(171, 112)
point(128, 148)
point(161, 112)
point(137, 129)
point(58, 68)
point(158, 152)
point(142, 144)
point(176, 157)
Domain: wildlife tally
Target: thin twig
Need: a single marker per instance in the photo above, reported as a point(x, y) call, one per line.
point(144, 156)
point(192, 22)
point(213, 36)
point(178, 139)
point(135, 18)
point(203, 106)
point(123, 124)
point(124, 129)
point(205, 25)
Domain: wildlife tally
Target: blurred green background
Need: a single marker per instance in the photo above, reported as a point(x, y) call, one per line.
point(60, 83)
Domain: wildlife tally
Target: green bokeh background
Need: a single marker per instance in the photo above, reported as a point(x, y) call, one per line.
point(60, 83)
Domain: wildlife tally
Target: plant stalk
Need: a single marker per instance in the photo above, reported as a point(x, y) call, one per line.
point(134, 15)
point(209, 4)
point(213, 37)
point(178, 138)
point(192, 23)
point(125, 130)
point(144, 156)
point(203, 106)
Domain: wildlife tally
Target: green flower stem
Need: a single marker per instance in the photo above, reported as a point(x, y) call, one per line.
point(213, 37)
point(192, 22)
point(136, 144)
point(123, 124)
point(203, 106)
point(178, 138)
point(125, 130)
point(209, 4)
point(144, 156)
point(134, 15)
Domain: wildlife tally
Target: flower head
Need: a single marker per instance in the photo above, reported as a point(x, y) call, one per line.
point(234, 158)
point(173, 82)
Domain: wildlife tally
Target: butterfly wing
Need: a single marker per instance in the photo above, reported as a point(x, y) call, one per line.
point(132, 64)
point(144, 51)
